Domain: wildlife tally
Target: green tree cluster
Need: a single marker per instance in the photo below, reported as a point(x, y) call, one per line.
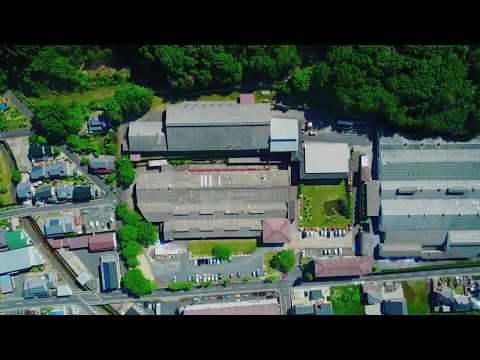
point(16, 176)
point(181, 286)
point(125, 172)
point(55, 120)
point(129, 102)
point(283, 261)
point(137, 284)
point(222, 252)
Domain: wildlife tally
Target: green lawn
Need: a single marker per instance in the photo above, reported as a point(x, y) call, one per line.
point(15, 119)
point(216, 97)
point(204, 247)
point(347, 300)
point(269, 271)
point(6, 181)
point(324, 202)
point(259, 97)
point(416, 293)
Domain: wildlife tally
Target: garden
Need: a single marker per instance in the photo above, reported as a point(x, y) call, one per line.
point(13, 119)
point(347, 300)
point(416, 294)
point(325, 205)
point(199, 248)
point(93, 144)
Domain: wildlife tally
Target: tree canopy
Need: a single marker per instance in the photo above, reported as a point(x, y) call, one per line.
point(129, 102)
point(125, 171)
point(283, 261)
point(137, 284)
point(222, 252)
point(56, 120)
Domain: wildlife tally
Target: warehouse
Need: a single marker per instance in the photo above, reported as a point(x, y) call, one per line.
point(213, 201)
point(430, 198)
point(21, 259)
point(325, 162)
point(208, 126)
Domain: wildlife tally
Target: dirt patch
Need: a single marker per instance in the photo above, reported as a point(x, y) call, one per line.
point(145, 267)
point(19, 147)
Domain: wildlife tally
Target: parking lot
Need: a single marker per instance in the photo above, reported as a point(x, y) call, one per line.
point(164, 270)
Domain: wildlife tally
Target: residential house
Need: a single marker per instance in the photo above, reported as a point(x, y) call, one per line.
point(324, 309)
point(97, 124)
point(110, 271)
point(46, 194)
point(16, 239)
point(83, 193)
point(58, 226)
point(64, 192)
point(35, 287)
point(315, 295)
point(38, 172)
point(395, 307)
point(461, 303)
point(102, 165)
point(40, 152)
point(21, 259)
point(303, 310)
point(59, 170)
point(373, 309)
point(51, 278)
point(3, 240)
point(6, 285)
point(25, 191)
point(373, 293)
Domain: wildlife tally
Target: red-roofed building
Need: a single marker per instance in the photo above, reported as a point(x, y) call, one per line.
point(247, 98)
point(346, 266)
point(102, 242)
point(278, 231)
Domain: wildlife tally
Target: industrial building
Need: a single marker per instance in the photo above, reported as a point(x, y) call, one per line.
point(214, 201)
point(249, 307)
point(324, 161)
point(430, 198)
point(110, 271)
point(13, 261)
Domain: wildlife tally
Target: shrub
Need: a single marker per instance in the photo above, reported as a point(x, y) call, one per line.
point(16, 176)
point(3, 189)
point(283, 261)
point(85, 161)
point(136, 283)
point(181, 286)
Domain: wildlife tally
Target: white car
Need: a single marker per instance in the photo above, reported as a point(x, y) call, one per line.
point(340, 251)
point(329, 252)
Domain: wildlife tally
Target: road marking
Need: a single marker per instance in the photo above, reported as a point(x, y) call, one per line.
point(18, 303)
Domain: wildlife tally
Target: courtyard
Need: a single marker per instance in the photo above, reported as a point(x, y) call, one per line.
point(325, 205)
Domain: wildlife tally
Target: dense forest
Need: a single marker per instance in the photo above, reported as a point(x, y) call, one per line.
point(428, 89)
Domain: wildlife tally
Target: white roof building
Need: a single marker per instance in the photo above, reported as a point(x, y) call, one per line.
point(328, 160)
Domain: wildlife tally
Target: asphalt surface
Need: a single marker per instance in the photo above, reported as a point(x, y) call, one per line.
point(15, 133)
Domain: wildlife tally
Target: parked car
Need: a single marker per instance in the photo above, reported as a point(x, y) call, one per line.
point(335, 251)
point(220, 276)
point(253, 273)
point(257, 272)
point(340, 251)
point(328, 234)
point(231, 275)
point(238, 274)
point(174, 279)
point(329, 251)
point(324, 252)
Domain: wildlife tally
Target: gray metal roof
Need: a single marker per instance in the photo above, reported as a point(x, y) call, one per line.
point(103, 162)
point(57, 226)
point(373, 198)
point(19, 259)
point(217, 113)
point(464, 237)
point(25, 190)
point(6, 284)
point(326, 158)
point(38, 172)
point(429, 222)
point(431, 171)
point(64, 191)
point(283, 135)
point(405, 206)
point(419, 238)
point(146, 136)
point(218, 138)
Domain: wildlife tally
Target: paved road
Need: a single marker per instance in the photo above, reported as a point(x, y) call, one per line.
point(28, 211)
point(15, 133)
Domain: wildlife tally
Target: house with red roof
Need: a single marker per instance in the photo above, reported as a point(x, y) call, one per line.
point(278, 231)
point(343, 267)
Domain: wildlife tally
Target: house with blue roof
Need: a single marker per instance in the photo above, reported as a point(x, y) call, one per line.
point(58, 226)
point(324, 309)
point(25, 191)
point(38, 172)
point(97, 124)
point(35, 287)
point(64, 192)
point(58, 170)
point(110, 271)
point(46, 194)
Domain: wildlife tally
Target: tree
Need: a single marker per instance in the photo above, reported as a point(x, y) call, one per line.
point(129, 102)
point(85, 161)
point(127, 216)
point(113, 110)
point(16, 176)
point(128, 233)
point(56, 151)
point(55, 120)
point(130, 251)
point(283, 261)
point(181, 286)
point(137, 284)
point(222, 251)
point(309, 276)
point(147, 233)
point(125, 171)
point(110, 178)
point(37, 139)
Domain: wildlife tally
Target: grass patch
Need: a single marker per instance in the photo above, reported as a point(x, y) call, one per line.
point(347, 300)
point(416, 294)
point(6, 181)
point(259, 97)
point(269, 271)
point(89, 96)
point(15, 120)
point(198, 248)
point(158, 104)
point(459, 290)
point(216, 97)
point(321, 204)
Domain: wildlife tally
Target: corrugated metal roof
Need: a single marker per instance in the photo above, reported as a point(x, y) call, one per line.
point(103, 162)
point(326, 157)
point(146, 136)
point(284, 129)
point(217, 113)
point(19, 259)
